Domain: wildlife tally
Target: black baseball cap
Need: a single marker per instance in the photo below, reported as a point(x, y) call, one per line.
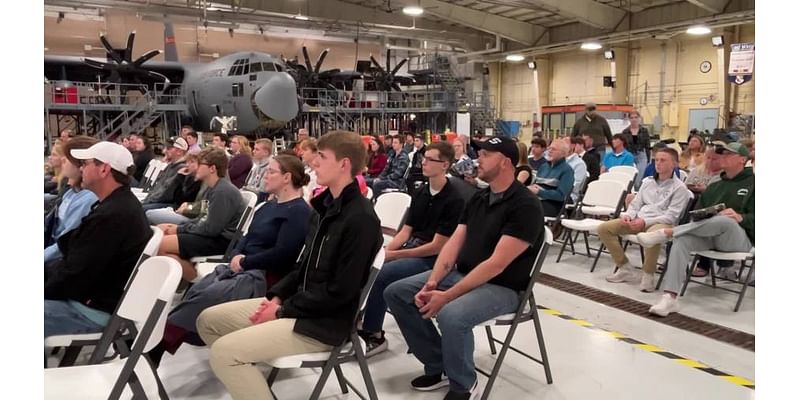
point(500, 144)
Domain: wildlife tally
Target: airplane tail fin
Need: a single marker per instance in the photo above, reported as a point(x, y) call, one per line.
point(170, 50)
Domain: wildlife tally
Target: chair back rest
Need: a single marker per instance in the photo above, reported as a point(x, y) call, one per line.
point(149, 170)
point(605, 193)
point(625, 169)
point(249, 201)
point(391, 208)
point(616, 176)
point(684, 218)
point(377, 264)
point(369, 193)
point(154, 284)
point(540, 256)
point(150, 250)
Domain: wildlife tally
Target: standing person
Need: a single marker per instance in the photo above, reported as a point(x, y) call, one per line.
point(536, 159)
point(82, 289)
point(76, 202)
point(142, 154)
point(618, 155)
point(638, 139)
point(694, 155)
point(523, 172)
point(312, 309)
point(592, 123)
point(210, 233)
point(377, 158)
point(241, 163)
point(477, 276)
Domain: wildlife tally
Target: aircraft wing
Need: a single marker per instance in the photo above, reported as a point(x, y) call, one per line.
point(76, 70)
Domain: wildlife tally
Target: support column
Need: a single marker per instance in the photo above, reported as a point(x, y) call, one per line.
point(619, 94)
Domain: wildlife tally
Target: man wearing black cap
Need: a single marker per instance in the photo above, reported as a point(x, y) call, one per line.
point(166, 185)
point(592, 123)
point(470, 284)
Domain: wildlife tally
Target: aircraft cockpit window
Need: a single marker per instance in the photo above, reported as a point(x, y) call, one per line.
point(278, 68)
point(255, 67)
point(246, 67)
point(269, 67)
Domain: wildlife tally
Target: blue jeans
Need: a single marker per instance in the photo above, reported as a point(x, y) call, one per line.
point(641, 165)
point(60, 318)
point(155, 206)
point(381, 185)
point(452, 351)
point(165, 216)
point(391, 272)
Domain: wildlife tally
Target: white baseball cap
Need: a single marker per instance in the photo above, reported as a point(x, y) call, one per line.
point(107, 152)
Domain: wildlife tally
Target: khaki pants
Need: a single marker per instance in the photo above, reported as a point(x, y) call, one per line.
point(609, 233)
point(237, 345)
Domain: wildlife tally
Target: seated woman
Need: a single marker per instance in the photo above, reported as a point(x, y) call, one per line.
point(212, 232)
point(75, 204)
point(189, 197)
point(263, 256)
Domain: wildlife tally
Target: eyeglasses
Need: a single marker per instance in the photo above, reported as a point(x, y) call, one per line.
point(429, 159)
point(721, 150)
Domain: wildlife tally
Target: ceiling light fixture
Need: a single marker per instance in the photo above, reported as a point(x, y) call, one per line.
point(515, 57)
point(413, 11)
point(591, 46)
point(698, 30)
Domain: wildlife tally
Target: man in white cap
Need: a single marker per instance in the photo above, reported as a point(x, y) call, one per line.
point(83, 288)
point(166, 185)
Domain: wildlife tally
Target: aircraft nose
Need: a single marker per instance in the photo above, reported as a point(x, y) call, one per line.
point(277, 99)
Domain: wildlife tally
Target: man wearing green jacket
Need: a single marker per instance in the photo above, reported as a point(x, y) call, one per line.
point(731, 230)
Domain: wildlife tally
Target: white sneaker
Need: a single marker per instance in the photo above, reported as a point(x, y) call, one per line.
point(623, 274)
point(648, 283)
point(667, 305)
point(650, 239)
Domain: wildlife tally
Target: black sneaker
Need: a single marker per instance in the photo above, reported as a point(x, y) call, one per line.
point(427, 383)
point(474, 393)
point(376, 345)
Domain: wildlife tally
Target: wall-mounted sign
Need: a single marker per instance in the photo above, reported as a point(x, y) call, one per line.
point(743, 56)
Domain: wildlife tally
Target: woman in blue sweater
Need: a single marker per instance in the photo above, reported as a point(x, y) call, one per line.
point(261, 257)
point(75, 204)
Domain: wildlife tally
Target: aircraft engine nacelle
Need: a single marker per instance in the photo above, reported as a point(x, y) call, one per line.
point(276, 101)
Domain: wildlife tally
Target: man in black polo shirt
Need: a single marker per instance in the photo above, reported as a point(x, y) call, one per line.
point(84, 287)
point(477, 276)
point(435, 208)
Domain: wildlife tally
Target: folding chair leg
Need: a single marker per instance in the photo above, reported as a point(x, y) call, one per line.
point(362, 364)
point(641, 253)
point(689, 274)
point(323, 377)
point(272, 375)
point(661, 277)
point(537, 326)
point(713, 277)
point(744, 287)
point(597, 257)
point(567, 236)
point(70, 356)
point(491, 339)
point(499, 362)
point(340, 377)
point(586, 241)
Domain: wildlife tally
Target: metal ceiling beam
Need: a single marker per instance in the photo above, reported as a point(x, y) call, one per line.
point(507, 28)
point(588, 12)
point(714, 6)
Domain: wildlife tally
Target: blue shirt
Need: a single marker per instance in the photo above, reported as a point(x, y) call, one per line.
point(556, 181)
point(535, 164)
point(74, 206)
point(612, 160)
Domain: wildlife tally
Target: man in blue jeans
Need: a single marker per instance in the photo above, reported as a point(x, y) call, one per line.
point(432, 218)
point(478, 275)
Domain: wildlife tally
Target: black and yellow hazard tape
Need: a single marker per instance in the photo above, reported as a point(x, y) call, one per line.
point(653, 349)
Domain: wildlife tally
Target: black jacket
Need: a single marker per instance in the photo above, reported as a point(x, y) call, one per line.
point(323, 288)
point(592, 159)
point(640, 142)
point(166, 185)
point(100, 254)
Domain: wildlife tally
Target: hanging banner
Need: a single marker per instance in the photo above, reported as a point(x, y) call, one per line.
point(740, 69)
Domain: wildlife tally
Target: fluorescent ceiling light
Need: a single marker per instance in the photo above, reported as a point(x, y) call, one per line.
point(515, 57)
point(413, 10)
point(591, 46)
point(698, 30)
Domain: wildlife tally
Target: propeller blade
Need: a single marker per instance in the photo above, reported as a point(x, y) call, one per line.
point(98, 64)
point(308, 60)
point(320, 60)
point(377, 64)
point(397, 67)
point(146, 57)
point(158, 76)
point(396, 87)
point(129, 47)
point(388, 58)
point(109, 49)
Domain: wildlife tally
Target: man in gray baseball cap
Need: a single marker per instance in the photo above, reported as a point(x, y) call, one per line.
point(165, 188)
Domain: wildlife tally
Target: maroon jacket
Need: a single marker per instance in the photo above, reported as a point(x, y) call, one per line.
point(376, 164)
point(239, 167)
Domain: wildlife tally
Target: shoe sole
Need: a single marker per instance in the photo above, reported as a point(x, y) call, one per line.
point(441, 384)
point(380, 349)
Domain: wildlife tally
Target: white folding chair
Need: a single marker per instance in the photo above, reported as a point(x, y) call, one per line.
point(747, 260)
point(626, 169)
point(391, 208)
point(331, 360)
point(74, 343)
point(527, 311)
point(603, 198)
point(370, 194)
point(145, 176)
point(144, 306)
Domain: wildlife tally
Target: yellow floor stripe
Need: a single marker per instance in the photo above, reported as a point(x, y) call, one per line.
point(652, 349)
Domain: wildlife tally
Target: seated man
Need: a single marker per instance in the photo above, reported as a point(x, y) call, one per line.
point(618, 155)
point(658, 204)
point(706, 174)
point(262, 155)
point(168, 181)
point(590, 156)
point(731, 230)
point(555, 179)
point(83, 288)
point(477, 276)
point(578, 166)
point(212, 232)
point(536, 159)
point(415, 164)
point(393, 175)
point(189, 196)
point(312, 309)
point(433, 216)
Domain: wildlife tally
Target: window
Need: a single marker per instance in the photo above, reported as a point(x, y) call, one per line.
point(237, 89)
point(278, 68)
point(269, 67)
point(255, 67)
point(245, 67)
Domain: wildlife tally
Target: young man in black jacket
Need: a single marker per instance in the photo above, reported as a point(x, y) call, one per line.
point(162, 194)
point(84, 287)
point(312, 308)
